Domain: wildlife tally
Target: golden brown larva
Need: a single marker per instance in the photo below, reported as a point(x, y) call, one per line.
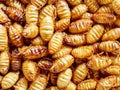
point(116, 60)
point(105, 9)
point(74, 2)
point(64, 78)
point(71, 86)
point(30, 70)
point(78, 10)
point(19, 27)
point(86, 15)
point(116, 6)
point(104, 2)
point(22, 84)
point(30, 30)
point(39, 83)
point(9, 80)
point(37, 41)
point(80, 73)
point(3, 38)
point(46, 28)
point(62, 64)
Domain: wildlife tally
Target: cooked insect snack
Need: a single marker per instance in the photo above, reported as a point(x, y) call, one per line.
point(59, 44)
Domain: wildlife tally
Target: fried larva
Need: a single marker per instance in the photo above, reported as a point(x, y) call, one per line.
point(31, 14)
point(3, 38)
point(22, 84)
point(116, 60)
point(63, 51)
point(104, 2)
point(19, 27)
point(77, 11)
point(99, 62)
point(80, 73)
point(63, 10)
point(64, 78)
point(112, 34)
point(4, 62)
point(116, 6)
point(55, 43)
point(89, 84)
point(94, 34)
point(106, 9)
point(39, 3)
point(30, 31)
point(75, 39)
point(92, 5)
point(74, 2)
point(62, 24)
point(71, 86)
point(34, 52)
point(15, 37)
point(46, 28)
point(37, 41)
point(87, 15)
point(82, 52)
point(9, 80)
point(109, 46)
point(80, 26)
point(30, 70)
point(104, 18)
point(62, 64)
point(39, 83)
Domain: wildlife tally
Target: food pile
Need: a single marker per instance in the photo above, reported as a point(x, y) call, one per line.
point(59, 44)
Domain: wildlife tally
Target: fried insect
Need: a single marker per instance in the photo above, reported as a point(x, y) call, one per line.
point(74, 2)
point(77, 11)
point(45, 63)
point(19, 27)
point(105, 9)
point(37, 41)
point(4, 62)
point(39, 83)
point(14, 14)
point(30, 70)
point(63, 10)
point(30, 31)
point(94, 34)
point(38, 3)
point(48, 10)
point(80, 26)
point(62, 24)
point(108, 82)
point(46, 28)
point(116, 6)
point(62, 64)
point(115, 60)
point(52, 88)
point(92, 5)
point(34, 52)
point(22, 84)
point(31, 14)
point(9, 80)
point(75, 39)
point(98, 62)
point(55, 43)
point(82, 52)
point(64, 78)
point(52, 1)
point(3, 17)
point(112, 34)
point(15, 37)
point(71, 86)
point(104, 18)
point(89, 84)
point(80, 73)
point(63, 51)
point(109, 46)
point(104, 2)
point(87, 15)
point(3, 38)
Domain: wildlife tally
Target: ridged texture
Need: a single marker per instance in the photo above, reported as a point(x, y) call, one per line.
point(71, 86)
point(74, 2)
point(30, 31)
point(95, 33)
point(78, 10)
point(31, 14)
point(55, 43)
point(99, 62)
point(92, 5)
point(75, 39)
point(46, 28)
point(112, 34)
point(9, 80)
point(105, 9)
point(116, 60)
point(19, 27)
point(62, 64)
point(104, 2)
point(82, 52)
point(80, 73)
point(3, 38)
point(89, 84)
point(87, 15)
point(80, 26)
point(64, 78)
point(39, 83)
point(37, 41)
